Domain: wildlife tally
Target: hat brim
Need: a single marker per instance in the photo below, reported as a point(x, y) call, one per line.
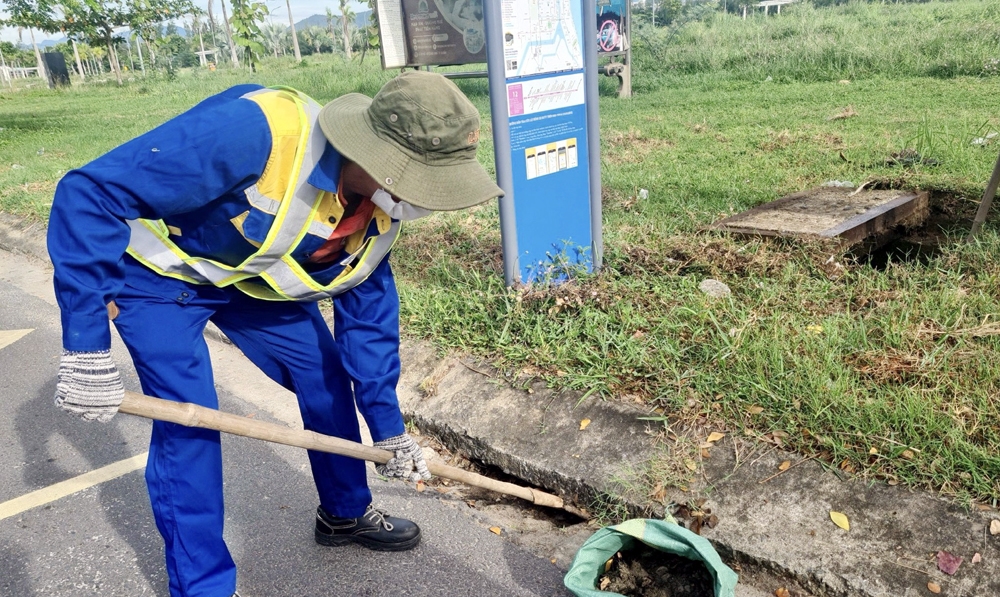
point(436, 187)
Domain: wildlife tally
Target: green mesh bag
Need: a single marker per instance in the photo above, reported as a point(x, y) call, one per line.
point(664, 535)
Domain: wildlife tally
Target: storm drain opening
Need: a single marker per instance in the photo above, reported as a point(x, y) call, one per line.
point(484, 500)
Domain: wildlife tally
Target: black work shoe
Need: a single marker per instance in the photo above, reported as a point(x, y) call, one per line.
point(374, 530)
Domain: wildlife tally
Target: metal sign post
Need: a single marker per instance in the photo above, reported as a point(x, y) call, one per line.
point(542, 68)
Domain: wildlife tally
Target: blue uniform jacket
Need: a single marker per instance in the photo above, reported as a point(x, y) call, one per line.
point(191, 171)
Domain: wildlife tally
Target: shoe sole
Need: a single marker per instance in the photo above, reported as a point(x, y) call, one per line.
point(338, 540)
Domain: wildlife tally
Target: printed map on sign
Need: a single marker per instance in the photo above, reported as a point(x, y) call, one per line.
point(542, 36)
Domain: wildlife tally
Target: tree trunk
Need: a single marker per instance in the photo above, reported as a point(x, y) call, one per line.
point(112, 58)
point(295, 38)
point(152, 55)
point(38, 56)
point(6, 73)
point(211, 24)
point(229, 36)
point(138, 48)
point(345, 28)
point(79, 66)
point(203, 58)
point(131, 60)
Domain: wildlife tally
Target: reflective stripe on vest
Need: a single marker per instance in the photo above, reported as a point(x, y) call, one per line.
point(288, 281)
point(292, 119)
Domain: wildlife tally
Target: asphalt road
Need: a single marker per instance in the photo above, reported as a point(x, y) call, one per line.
point(85, 536)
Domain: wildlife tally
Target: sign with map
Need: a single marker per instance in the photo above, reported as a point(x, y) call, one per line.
point(541, 36)
point(548, 167)
point(431, 32)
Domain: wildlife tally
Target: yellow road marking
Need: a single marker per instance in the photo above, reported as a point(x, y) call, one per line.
point(71, 486)
point(8, 337)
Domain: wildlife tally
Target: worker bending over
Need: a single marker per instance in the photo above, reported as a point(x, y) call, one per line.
point(244, 211)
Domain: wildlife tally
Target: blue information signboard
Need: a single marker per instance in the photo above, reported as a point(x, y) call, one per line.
point(542, 69)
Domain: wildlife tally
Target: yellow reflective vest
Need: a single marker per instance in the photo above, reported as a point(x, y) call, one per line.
point(271, 273)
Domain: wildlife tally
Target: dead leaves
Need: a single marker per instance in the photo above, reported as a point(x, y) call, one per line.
point(847, 112)
point(705, 449)
point(995, 527)
point(840, 519)
point(933, 587)
point(584, 423)
point(948, 563)
point(698, 515)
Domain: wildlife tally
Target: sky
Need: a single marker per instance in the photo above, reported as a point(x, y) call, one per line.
point(301, 9)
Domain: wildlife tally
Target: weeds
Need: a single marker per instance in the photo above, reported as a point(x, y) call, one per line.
point(888, 372)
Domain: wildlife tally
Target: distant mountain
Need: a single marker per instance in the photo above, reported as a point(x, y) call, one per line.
point(360, 20)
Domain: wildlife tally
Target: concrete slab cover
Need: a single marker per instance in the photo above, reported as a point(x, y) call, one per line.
point(832, 212)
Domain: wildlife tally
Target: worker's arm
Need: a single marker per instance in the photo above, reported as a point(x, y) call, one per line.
point(366, 326)
point(220, 146)
point(216, 147)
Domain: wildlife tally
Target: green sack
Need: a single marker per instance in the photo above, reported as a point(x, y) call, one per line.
point(664, 535)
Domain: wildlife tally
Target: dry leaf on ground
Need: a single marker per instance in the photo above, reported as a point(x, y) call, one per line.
point(715, 436)
point(933, 587)
point(495, 530)
point(847, 112)
point(948, 563)
point(995, 527)
point(840, 519)
point(584, 423)
point(784, 466)
point(782, 592)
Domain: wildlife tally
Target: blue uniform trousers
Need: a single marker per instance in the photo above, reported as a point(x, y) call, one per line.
point(161, 321)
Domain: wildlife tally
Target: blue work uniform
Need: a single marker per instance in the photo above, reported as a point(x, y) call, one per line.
point(191, 172)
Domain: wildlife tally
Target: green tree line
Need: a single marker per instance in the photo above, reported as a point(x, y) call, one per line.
point(114, 36)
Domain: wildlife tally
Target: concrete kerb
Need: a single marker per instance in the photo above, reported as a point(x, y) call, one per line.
point(774, 526)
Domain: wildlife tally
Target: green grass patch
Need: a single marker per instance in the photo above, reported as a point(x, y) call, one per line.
point(889, 372)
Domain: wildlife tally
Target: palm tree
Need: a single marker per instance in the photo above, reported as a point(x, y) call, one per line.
point(347, 17)
point(295, 38)
point(317, 37)
point(275, 38)
point(229, 36)
point(331, 22)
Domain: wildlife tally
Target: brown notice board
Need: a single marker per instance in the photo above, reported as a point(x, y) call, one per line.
point(431, 32)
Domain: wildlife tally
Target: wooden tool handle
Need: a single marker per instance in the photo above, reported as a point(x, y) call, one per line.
point(192, 415)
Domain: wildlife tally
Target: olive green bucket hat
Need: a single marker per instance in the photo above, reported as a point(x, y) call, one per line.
point(417, 137)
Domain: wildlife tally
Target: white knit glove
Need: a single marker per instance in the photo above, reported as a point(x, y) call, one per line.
point(89, 385)
point(408, 462)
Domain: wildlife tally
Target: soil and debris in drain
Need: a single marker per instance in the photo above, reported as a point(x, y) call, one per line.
point(646, 572)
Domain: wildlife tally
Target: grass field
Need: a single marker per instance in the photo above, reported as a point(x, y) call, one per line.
point(885, 370)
